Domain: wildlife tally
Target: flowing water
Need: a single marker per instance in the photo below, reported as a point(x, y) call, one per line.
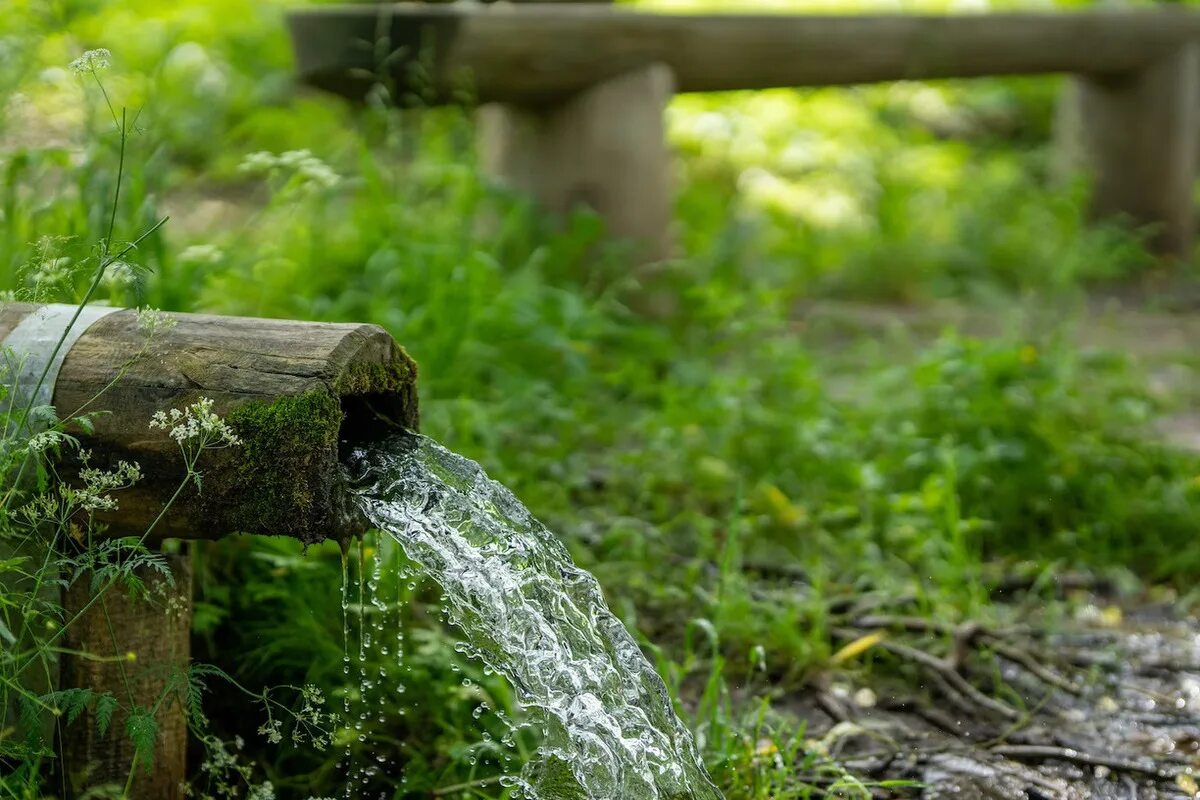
point(527, 612)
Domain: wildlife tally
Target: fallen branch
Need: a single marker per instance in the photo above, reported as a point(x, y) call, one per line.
point(1033, 752)
point(1029, 662)
point(925, 625)
point(966, 633)
point(944, 670)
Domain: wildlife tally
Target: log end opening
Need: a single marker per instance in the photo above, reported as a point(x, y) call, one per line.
point(284, 478)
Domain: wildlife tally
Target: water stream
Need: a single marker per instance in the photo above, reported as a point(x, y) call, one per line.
point(527, 612)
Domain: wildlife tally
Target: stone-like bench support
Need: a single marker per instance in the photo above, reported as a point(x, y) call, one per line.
point(604, 148)
point(1138, 136)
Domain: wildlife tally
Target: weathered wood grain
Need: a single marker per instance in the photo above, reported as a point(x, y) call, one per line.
point(139, 650)
point(540, 53)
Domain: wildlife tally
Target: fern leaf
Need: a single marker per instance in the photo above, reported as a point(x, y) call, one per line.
point(106, 704)
point(31, 722)
point(77, 702)
point(142, 730)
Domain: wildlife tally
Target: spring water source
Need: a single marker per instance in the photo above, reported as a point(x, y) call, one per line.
point(527, 612)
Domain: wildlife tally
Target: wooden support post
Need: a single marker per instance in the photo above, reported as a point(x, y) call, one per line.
point(135, 648)
point(1137, 138)
point(604, 148)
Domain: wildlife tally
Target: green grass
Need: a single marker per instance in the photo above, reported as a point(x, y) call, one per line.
point(732, 479)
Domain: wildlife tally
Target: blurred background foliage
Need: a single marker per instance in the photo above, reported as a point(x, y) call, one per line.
point(739, 469)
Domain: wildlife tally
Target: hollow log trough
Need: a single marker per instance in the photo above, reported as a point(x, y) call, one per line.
point(293, 392)
point(573, 95)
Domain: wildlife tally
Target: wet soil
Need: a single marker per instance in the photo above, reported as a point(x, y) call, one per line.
point(1108, 707)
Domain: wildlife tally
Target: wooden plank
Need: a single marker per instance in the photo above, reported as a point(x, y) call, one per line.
point(531, 54)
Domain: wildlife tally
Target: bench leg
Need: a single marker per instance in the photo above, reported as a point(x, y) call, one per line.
point(1137, 139)
point(604, 148)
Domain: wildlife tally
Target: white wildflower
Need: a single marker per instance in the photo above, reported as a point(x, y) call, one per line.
point(176, 606)
point(261, 161)
point(196, 426)
point(203, 254)
point(92, 61)
point(44, 441)
point(45, 506)
point(294, 158)
point(97, 483)
point(310, 171)
point(152, 321)
point(317, 173)
point(273, 730)
point(264, 791)
point(312, 695)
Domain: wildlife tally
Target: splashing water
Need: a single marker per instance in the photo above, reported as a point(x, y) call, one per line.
point(530, 614)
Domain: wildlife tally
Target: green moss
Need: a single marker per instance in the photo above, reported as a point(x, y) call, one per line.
point(280, 479)
point(371, 378)
point(385, 393)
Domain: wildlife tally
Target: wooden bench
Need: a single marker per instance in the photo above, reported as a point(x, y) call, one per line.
point(574, 94)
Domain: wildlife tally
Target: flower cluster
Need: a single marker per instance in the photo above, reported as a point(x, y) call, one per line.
point(97, 483)
point(263, 791)
point(273, 730)
point(312, 697)
point(309, 171)
point(151, 321)
point(61, 502)
point(310, 721)
point(92, 61)
point(225, 775)
point(45, 506)
point(202, 255)
point(196, 426)
point(45, 440)
point(174, 604)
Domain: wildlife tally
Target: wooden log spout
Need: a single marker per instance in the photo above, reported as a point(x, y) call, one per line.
point(294, 392)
